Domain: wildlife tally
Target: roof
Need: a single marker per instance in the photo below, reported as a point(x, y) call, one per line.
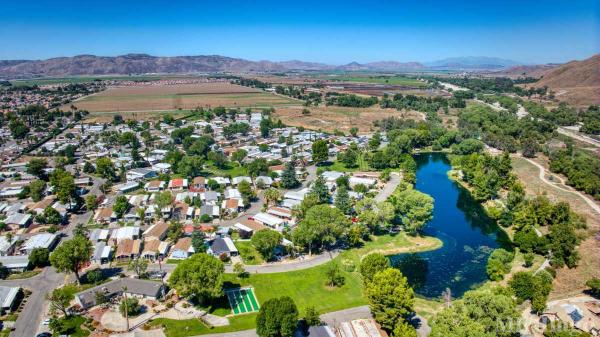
point(155, 184)
point(5, 245)
point(128, 247)
point(232, 203)
point(151, 246)
point(361, 328)
point(157, 230)
point(254, 225)
point(42, 240)
point(280, 211)
point(179, 182)
point(8, 295)
point(15, 261)
point(87, 298)
point(199, 181)
point(127, 232)
point(18, 219)
point(183, 244)
point(222, 245)
point(268, 219)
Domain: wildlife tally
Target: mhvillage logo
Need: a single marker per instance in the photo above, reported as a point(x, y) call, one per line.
point(513, 326)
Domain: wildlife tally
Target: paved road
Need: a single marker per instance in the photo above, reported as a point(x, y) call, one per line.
point(28, 323)
point(579, 137)
point(389, 187)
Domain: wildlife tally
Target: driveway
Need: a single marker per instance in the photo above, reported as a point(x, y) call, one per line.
point(389, 187)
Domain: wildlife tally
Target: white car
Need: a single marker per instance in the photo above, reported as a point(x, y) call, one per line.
point(46, 321)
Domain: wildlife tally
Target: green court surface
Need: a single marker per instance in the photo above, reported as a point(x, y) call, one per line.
point(242, 300)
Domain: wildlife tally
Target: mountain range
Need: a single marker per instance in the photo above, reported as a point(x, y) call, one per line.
point(147, 64)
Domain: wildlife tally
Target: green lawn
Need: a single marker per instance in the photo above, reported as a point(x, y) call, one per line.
point(363, 166)
point(233, 170)
point(192, 327)
point(73, 327)
point(308, 287)
point(248, 253)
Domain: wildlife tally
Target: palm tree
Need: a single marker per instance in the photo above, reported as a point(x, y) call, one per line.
point(272, 195)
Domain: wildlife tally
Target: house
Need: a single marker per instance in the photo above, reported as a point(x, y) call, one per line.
point(18, 220)
point(332, 176)
point(138, 174)
point(10, 297)
point(231, 193)
point(248, 227)
point(198, 184)
point(125, 233)
point(210, 197)
point(105, 215)
point(154, 249)
point(128, 249)
point(222, 246)
point(321, 331)
point(232, 205)
point(8, 247)
point(182, 249)
point(15, 263)
point(270, 220)
point(296, 195)
point(237, 180)
point(368, 182)
point(210, 210)
point(157, 231)
point(154, 186)
point(361, 328)
point(222, 180)
point(263, 181)
point(178, 184)
point(126, 187)
point(134, 288)
point(162, 167)
point(277, 169)
point(42, 240)
point(102, 253)
point(280, 212)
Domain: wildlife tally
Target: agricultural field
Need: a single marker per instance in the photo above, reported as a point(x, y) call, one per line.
point(178, 97)
point(330, 118)
point(85, 79)
point(382, 79)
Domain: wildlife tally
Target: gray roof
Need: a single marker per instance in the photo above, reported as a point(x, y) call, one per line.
point(8, 295)
point(87, 298)
point(15, 261)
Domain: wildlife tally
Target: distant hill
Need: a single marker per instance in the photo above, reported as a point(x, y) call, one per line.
point(472, 62)
point(535, 71)
point(391, 66)
point(577, 82)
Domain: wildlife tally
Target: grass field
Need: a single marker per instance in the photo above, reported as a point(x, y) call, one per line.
point(242, 300)
point(248, 253)
point(382, 79)
point(179, 97)
point(308, 287)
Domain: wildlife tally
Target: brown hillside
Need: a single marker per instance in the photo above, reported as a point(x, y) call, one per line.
point(576, 82)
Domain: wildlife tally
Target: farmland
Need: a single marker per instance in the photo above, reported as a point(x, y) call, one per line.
point(382, 79)
point(163, 98)
point(330, 118)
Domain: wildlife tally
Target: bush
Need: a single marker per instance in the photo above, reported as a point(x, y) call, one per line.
point(132, 305)
point(528, 257)
point(499, 264)
point(594, 285)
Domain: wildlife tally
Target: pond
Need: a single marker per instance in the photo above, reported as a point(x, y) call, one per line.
point(468, 234)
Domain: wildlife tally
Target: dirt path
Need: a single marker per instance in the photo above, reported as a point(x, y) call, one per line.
point(574, 135)
point(542, 177)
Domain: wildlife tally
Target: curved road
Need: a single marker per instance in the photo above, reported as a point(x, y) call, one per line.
point(542, 176)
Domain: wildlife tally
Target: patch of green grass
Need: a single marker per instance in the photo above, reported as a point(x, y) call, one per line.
point(193, 327)
point(383, 79)
point(233, 170)
point(72, 327)
point(24, 275)
point(248, 253)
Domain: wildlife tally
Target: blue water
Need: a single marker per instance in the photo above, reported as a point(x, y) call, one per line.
point(469, 236)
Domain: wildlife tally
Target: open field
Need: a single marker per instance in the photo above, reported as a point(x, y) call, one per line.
point(568, 281)
point(179, 97)
point(84, 79)
point(330, 118)
point(381, 79)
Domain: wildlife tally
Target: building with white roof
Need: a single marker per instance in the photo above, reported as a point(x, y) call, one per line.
point(42, 240)
point(270, 220)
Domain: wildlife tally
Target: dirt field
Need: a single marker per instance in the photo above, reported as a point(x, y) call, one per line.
point(568, 281)
point(178, 97)
point(329, 118)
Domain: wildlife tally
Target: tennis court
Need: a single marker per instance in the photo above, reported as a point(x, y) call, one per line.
point(242, 300)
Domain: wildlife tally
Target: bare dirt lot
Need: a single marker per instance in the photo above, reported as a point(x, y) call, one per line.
point(330, 118)
point(568, 281)
point(178, 97)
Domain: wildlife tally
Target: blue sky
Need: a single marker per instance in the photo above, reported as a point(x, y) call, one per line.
point(335, 32)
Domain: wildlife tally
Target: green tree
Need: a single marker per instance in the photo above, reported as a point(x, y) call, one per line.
point(272, 196)
point(139, 267)
point(239, 155)
point(39, 257)
point(37, 166)
point(121, 206)
point(499, 264)
point(278, 317)
point(265, 241)
point(391, 299)
point(342, 201)
point(105, 168)
point(36, 190)
point(373, 264)
point(334, 275)
point(198, 242)
point(594, 285)
point(130, 306)
point(320, 151)
point(64, 186)
point(60, 299)
point(403, 329)
point(321, 226)
point(312, 316)
point(200, 277)
point(414, 208)
point(91, 202)
point(320, 190)
point(288, 176)
point(72, 255)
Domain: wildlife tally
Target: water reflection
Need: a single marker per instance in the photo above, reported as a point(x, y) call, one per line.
point(468, 234)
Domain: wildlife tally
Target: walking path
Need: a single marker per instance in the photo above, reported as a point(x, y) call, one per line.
point(572, 134)
point(542, 176)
